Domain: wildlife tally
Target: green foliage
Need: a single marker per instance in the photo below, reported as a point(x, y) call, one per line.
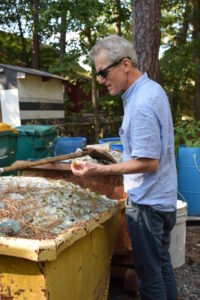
point(118, 13)
point(11, 14)
point(177, 72)
point(187, 133)
point(48, 56)
point(90, 20)
point(65, 65)
point(68, 105)
point(177, 64)
point(11, 49)
point(111, 105)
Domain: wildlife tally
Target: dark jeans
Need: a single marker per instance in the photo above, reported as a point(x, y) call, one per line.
point(150, 236)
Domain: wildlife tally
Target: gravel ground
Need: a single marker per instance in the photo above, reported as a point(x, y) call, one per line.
point(187, 276)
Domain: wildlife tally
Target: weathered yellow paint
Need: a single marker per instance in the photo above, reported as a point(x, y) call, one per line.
point(80, 272)
point(43, 250)
point(21, 279)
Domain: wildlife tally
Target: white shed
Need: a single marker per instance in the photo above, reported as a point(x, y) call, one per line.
point(30, 96)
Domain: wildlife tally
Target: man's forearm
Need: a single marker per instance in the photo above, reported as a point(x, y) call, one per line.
point(142, 165)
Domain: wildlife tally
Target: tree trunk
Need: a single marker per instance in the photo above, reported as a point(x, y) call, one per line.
point(36, 39)
point(146, 35)
point(196, 37)
point(94, 90)
point(175, 99)
point(63, 31)
point(182, 36)
point(23, 40)
point(118, 30)
point(179, 40)
point(95, 106)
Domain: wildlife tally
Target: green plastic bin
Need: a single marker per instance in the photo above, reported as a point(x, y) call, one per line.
point(35, 141)
point(8, 147)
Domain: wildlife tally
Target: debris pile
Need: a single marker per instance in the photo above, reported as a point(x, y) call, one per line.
point(39, 208)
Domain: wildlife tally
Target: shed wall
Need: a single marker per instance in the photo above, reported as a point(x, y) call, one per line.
point(34, 89)
point(40, 99)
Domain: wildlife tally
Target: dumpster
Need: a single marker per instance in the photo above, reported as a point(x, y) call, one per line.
point(8, 147)
point(35, 141)
point(112, 187)
point(66, 255)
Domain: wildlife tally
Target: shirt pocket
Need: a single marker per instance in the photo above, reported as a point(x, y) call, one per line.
point(124, 140)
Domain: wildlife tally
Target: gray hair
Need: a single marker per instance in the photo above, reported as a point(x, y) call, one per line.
point(116, 48)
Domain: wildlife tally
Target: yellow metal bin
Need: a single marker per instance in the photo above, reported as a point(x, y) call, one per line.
point(122, 267)
point(72, 265)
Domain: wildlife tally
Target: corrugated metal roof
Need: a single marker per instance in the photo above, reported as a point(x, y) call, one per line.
point(31, 71)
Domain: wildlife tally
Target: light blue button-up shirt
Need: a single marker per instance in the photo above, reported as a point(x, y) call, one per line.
point(147, 132)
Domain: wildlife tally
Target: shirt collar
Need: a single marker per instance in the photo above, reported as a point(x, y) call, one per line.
point(134, 87)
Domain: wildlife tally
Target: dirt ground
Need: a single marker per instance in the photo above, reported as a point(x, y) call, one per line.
point(192, 243)
point(187, 276)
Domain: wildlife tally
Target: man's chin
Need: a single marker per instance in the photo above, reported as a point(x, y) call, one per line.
point(112, 93)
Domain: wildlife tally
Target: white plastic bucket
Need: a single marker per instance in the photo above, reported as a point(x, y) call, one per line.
point(178, 235)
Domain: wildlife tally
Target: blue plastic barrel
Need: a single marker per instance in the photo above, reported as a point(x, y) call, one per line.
point(115, 143)
point(66, 145)
point(188, 169)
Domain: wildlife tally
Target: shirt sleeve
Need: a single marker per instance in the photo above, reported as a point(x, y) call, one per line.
point(145, 134)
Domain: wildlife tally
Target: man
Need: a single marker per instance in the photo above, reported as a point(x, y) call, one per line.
point(148, 164)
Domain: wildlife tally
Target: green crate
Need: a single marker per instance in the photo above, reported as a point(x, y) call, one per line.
point(35, 141)
point(8, 148)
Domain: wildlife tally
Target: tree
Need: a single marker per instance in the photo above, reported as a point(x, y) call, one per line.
point(180, 62)
point(177, 61)
point(104, 15)
point(146, 35)
point(11, 17)
point(118, 16)
point(36, 37)
point(88, 28)
point(196, 38)
point(63, 31)
point(22, 19)
point(58, 16)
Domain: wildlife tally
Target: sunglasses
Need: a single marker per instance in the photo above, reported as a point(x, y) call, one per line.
point(104, 73)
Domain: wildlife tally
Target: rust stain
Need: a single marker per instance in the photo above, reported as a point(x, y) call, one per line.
point(41, 250)
point(45, 292)
point(19, 292)
point(4, 297)
point(8, 296)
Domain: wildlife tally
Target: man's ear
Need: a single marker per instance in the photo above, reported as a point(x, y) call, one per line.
point(127, 64)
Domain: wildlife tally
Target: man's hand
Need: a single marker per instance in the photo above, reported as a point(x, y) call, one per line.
point(81, 168)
